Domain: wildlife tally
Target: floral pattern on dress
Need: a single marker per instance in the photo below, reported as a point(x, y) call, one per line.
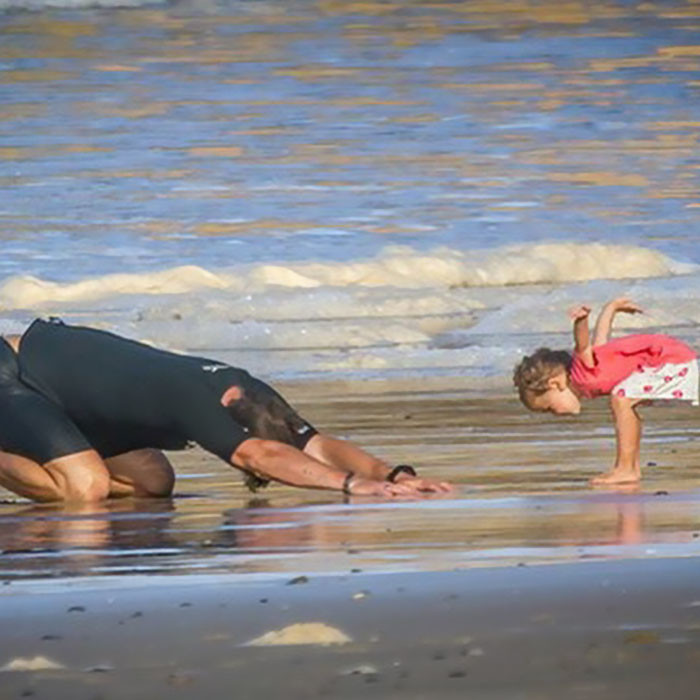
point(669, 381)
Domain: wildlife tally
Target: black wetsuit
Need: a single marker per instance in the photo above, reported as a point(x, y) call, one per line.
point(72, 389)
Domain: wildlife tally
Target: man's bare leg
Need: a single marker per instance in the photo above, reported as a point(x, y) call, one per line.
point(143, 473)
point(81, 477)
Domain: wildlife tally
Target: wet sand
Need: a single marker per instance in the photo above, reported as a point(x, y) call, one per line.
point(522, 583)
point(612, 629)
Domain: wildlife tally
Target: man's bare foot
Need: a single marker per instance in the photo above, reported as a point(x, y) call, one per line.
point(616, 477)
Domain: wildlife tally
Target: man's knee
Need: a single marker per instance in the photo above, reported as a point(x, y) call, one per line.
point(88, 488)
point(161, 477)
point(79, 478)
point(156, 477)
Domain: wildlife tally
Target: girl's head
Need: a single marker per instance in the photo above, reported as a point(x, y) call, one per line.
point(542, 380)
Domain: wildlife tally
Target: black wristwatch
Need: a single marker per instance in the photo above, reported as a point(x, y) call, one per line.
point(399, 469)
point(346, 483)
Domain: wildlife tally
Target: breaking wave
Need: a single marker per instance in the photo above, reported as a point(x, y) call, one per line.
point(399, 267)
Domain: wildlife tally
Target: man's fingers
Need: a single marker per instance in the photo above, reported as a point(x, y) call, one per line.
point(434, 486)
point(400, 489)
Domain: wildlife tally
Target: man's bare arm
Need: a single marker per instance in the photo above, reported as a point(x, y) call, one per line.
point(343, 455)
point(284, 463)
point(347, 456)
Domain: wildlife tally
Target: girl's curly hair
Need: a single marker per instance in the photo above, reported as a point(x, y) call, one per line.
point(533, 372)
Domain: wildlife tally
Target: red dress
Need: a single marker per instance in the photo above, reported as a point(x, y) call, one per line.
point(656, 365)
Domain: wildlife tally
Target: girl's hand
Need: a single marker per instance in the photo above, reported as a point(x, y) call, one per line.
point(577, 313)
point(626, 306)
point(424, 485)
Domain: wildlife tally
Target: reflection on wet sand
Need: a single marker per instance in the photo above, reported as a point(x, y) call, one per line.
point(522, 497)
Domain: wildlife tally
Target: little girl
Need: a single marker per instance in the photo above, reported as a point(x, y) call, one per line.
point(630, 370)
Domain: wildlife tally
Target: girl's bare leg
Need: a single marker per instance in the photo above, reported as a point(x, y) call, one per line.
point(628, 431)
point(143, 473)
point(80, 477)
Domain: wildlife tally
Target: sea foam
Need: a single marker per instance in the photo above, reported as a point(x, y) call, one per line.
point(395, 266)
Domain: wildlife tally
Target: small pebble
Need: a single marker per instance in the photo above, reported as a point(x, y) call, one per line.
point(138, 613)
point(76, 608)
point(456, 674)
point(51, 637)
point(355, 571)
point(185, 605)
point(180, 679)
point(361, 670)
point(360, 595)
point(263, 600)
point(651, 464)
point(297, 580)
point(661, 493)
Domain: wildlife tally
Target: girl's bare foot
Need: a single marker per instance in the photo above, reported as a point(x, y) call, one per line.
point(616, 477)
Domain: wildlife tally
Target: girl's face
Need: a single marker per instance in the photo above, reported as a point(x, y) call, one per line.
point(559, 398)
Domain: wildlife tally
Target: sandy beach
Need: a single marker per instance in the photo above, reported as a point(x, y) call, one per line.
point(523, 582)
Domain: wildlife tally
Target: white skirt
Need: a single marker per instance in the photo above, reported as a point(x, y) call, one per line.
point(670, 381)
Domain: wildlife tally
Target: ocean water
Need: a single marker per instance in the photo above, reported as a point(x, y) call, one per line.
point(325, 189)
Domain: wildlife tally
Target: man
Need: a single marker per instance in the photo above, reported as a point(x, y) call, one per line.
point(84, 414)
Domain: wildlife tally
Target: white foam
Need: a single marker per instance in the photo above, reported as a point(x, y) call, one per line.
point(403, 311)
point(26, 292)
point(401, 267)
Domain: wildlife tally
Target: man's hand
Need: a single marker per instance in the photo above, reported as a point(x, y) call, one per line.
point(408, 486)
point(359, 486)
point(579, 312)
point(424, 485)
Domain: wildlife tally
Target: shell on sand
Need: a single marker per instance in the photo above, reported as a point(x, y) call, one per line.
point(301, 633)
point(36, 663)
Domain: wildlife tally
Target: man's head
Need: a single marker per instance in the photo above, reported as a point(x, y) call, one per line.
point(265, 415)
point(542, 380)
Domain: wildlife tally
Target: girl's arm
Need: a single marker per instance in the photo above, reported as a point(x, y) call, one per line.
point(343, 454)
point(582, 339)
point(604, 323)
